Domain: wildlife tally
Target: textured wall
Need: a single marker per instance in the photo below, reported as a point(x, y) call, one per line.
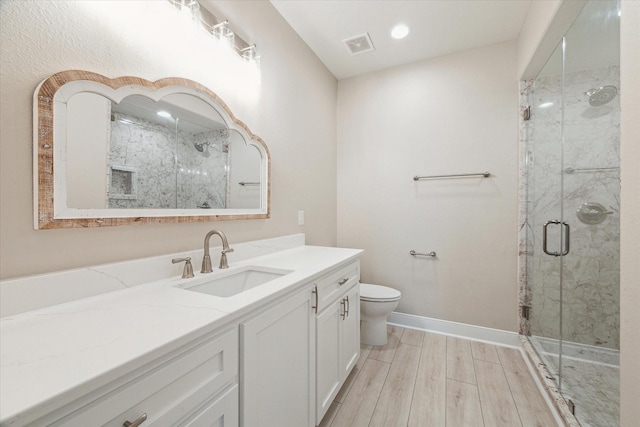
point(292, 106)
point(454, 114)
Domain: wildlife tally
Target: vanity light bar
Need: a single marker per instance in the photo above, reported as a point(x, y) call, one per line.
point(212, 25)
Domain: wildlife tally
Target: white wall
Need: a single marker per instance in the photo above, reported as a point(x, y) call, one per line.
point(630, 214)
point(535, 25)
point(546, 22)
point(454, 114)
point(293, 109)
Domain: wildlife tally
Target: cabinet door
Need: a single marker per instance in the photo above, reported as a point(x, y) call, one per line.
point(350, 332)
point(278, 365)
point(328, 357)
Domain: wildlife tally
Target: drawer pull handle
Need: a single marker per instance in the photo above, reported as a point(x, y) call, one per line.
point(142, 418)
point(343, 281)
point(315, 291)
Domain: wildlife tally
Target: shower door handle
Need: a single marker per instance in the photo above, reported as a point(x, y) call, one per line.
point(567, 233)
point(544, 238)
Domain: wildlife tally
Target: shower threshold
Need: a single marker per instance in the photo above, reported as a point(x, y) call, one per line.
point(590, 379)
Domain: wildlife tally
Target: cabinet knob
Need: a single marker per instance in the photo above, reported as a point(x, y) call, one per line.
point(142, 418)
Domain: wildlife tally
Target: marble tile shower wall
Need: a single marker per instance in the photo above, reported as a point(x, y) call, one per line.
point(203, 177)
point(591, 270)
point(525, 246)
point(159, 167)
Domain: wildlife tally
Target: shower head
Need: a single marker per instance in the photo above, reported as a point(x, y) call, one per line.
point(202, 148)
point(602, 95)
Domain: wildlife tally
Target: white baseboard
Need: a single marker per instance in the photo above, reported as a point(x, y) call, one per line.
point(462, 330)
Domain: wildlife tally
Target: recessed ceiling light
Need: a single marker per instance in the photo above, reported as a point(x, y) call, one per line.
point(164, 114)
point(545, 105)
point(400, 31)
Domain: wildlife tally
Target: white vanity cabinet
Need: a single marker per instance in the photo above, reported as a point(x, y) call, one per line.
point(350, 332)
point(274, 355)
point(277, 364)
point(195, 386)
point(337, 333)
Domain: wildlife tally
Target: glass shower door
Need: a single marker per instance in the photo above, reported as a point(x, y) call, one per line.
point(546, 239)
point(591, 188)
point(573, 187)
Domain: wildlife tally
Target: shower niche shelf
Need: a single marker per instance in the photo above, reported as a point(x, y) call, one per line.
point(123, 183)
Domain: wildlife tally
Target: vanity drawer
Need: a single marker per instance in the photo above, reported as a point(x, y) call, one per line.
point(331, 287)
point(169, 392)
point(223, 411)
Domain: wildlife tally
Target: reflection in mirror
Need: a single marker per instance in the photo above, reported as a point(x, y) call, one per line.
point(134, 152)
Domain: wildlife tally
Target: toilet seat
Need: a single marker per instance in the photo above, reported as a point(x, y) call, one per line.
point(377, 293)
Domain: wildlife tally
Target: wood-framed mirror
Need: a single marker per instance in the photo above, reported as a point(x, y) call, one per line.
point(127, 150)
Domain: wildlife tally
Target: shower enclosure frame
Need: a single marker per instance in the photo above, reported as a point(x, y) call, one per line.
point(525, 246)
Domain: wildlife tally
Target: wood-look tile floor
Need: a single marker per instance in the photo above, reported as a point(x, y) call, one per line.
point(420, 379)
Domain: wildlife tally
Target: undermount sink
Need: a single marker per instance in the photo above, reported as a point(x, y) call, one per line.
point(234, 282)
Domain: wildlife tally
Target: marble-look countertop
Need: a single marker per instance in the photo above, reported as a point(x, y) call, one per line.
point(52, 356)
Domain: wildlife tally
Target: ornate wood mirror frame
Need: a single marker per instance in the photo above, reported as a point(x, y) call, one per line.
point(50, 153)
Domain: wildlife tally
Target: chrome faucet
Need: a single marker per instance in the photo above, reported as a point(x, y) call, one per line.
point(206, 260)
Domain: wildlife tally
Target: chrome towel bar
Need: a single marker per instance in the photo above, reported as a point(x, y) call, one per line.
point(431, 254)
point(460, 175)
point(574, 170)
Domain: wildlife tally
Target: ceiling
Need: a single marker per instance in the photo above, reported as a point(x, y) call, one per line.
point(438, 27)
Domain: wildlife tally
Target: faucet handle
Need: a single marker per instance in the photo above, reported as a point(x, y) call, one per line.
point(226, 251)
point(187, 272)
point(223, 260)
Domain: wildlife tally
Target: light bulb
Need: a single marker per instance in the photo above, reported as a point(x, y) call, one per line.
point(250, 55)
point(223, 33)
point(400, 31)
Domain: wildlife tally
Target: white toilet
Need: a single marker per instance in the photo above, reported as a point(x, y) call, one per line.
point(376, 302)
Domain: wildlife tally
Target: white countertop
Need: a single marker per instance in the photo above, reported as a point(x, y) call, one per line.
point(51, 356)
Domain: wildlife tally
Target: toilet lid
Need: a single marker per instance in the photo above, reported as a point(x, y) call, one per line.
point(378, 293)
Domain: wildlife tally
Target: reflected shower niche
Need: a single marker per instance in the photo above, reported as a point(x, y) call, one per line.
point(123, 184)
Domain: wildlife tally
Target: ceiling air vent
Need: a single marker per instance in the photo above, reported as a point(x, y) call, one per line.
point(359, 44)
